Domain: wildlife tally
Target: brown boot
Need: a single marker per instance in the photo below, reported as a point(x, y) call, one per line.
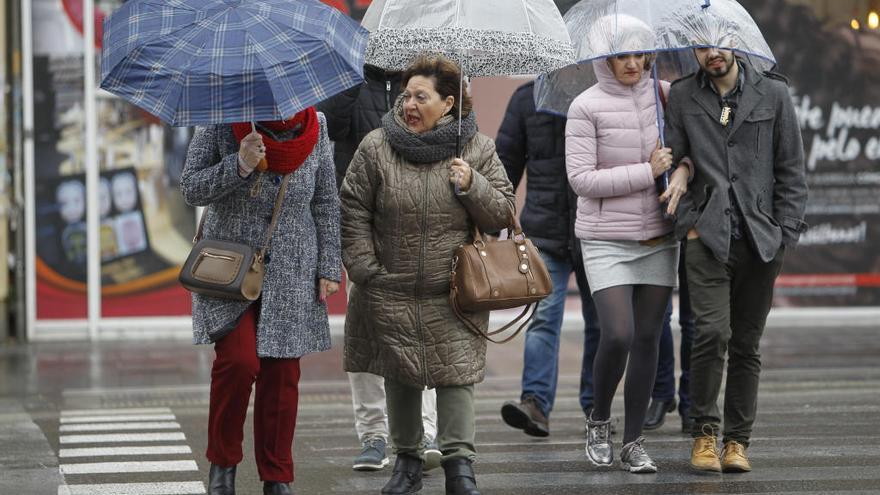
point(526, 416)
point(733, 458)
point(704, 454)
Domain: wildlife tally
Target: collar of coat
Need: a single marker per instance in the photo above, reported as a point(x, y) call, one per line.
point(753, 92)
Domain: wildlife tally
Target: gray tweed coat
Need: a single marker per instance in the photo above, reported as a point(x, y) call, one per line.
point(304, 247)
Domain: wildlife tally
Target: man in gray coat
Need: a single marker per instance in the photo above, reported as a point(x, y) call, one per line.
point(744, 206)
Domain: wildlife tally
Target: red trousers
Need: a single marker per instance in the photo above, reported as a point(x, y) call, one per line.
point(235, 370)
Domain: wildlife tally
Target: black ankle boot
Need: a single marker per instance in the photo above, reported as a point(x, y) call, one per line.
point(460, 478)
point(406, 478)
point(221, 480)
point(276, 488)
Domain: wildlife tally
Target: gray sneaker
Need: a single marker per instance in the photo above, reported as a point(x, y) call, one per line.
point(598, 448)
point(372, 457)
point(431, 455)
point(634, 458)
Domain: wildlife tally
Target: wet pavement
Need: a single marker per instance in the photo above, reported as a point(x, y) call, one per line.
point(130, 418)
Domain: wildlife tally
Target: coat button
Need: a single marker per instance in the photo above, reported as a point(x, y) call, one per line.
point(266, 259)
point(731, 144)
point(727, 211)
point(734, 178)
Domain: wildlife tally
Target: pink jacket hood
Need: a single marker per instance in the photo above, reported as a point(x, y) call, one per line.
point(610, 135)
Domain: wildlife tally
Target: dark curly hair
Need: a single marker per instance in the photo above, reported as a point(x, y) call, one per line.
point(446, 76)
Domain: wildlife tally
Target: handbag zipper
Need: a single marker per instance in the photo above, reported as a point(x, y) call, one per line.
point(218, 256)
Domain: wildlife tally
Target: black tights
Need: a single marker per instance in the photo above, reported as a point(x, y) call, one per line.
point(630, 319)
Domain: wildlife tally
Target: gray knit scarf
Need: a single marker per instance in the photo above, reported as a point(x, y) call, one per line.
point(430, 146)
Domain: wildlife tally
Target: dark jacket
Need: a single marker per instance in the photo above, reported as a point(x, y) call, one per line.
point(353, 114)
point(761, 160)
point(534, 143)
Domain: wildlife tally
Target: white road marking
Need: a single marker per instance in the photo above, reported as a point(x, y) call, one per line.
point(93, 412)
point(172, 488)
point(129, 467)
point(124, 451)
point(141, 425)
point(123, 437)
point(121, 417)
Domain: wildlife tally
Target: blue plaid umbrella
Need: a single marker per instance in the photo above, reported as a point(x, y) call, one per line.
point(201, 62)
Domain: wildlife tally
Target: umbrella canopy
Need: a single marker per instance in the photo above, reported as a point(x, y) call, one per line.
point(486, 37)
point(670, 29)
point(200, 62)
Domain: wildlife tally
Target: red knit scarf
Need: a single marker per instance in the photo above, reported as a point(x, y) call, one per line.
point(284, 157)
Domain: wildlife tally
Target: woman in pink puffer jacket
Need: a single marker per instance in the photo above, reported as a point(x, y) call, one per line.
point(631, 259)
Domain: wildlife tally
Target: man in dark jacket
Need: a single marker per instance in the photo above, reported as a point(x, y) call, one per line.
point(534, 143)
point(351, 115)
point(744, 206)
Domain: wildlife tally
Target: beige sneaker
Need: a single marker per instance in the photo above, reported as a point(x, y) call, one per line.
point(733, 458)
point(704, 454)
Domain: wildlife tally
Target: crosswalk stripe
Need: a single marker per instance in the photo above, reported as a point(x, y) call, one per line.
point(124, 451)
point(129, 467)
point(123, 437)
point(138, 410)
point(141, 425)
point(111, 418)
point(167, 488)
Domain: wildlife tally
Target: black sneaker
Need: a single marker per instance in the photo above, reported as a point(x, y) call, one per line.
point(372, 456)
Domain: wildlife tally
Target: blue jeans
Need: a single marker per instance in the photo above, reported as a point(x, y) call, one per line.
point(541, 356)
point(664, 384)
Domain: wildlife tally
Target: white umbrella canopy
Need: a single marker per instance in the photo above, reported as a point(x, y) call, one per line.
point(486, 37)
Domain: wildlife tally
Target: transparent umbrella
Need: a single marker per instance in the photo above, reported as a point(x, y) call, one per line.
point(604, 28)
point(485, 37)
point(670, 29)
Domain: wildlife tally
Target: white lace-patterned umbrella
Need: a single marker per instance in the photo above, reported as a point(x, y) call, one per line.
point(486, 37)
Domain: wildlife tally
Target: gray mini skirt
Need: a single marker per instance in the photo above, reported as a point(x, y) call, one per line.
point(613, 263)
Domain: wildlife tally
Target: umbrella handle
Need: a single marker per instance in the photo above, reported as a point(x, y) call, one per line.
point(263, 165)
point(707, 4)
point(662, 182)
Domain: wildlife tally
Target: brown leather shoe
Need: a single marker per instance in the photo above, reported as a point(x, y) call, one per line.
point(526, 416)
point(733, 458)
point(704, 455)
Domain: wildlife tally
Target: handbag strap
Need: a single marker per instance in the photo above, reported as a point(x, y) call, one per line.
point(488, 335)
point(279, 200)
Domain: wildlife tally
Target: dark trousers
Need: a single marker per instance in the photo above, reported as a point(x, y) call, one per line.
point(235, 370)
point(664, 384)
point(730, 302)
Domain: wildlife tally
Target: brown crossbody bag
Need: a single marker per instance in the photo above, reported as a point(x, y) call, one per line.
point(226, 269)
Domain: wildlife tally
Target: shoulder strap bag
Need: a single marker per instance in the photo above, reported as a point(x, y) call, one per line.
point(225, 269)
point(490, 275)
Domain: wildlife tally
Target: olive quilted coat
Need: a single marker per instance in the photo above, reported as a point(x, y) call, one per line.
point(401, 223)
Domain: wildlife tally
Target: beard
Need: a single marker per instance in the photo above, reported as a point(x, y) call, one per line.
point(720, 72)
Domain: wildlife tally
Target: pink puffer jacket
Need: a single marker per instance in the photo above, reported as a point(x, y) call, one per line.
point(609, 138)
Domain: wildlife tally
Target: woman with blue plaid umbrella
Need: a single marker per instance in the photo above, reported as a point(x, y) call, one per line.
point(261, 342)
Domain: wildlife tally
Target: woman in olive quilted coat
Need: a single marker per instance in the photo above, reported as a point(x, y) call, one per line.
point(407, 204)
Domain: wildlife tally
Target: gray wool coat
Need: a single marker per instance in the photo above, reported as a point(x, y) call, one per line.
point(760, 159)
point(304, 247)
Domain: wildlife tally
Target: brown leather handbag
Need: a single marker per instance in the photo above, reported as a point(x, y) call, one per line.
point(490, 275)
point(228, 270)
